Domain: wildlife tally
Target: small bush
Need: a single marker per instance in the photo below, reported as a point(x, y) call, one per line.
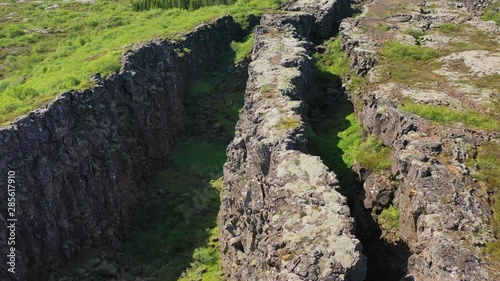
point(395, 50)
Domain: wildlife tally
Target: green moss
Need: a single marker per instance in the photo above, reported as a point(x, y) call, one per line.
point(288, 123)
point(389, 223)
point(445, 114)
point(172, 229)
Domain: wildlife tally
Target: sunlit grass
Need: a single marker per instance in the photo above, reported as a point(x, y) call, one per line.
point(77, 40)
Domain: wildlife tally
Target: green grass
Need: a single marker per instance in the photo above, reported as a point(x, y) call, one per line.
point(389, 223)
point(445, 114)
point(417, 34)
point(448, 27)
point(336, 141)
point(82, 39)
point(406, 64)
point(398, 51)
point(206, 261)
point(243, 49)
point(492, 12)
point(180, 222)
point(335, 62)
point(373, 155)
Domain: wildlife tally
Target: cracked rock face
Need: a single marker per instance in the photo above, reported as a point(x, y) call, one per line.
point(281, 217)
point(443, 217)
point(81, 161)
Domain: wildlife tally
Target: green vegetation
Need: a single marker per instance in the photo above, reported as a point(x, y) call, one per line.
point(336, 139)
point(288, 123)
point(389, 223)
point(182, 217)
point(448, 27)
point(44, 52)
point(485, 165)
point(373, 155)
point(404, 63)
point(492, 12)
point(180, 238)
point(141, 5)
point(398, 51)
point(336, 135)
point(206, 261)
point(445, 114)
point(335, 61)
point(243, 49)
point(417, 34)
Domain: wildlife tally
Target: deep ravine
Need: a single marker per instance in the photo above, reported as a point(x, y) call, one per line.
point(336, 136)
point(174, 228)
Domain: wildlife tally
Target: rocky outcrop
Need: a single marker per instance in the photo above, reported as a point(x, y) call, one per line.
point(281, 216)
point(476, 6)
point(81, 161)
point(444, 218)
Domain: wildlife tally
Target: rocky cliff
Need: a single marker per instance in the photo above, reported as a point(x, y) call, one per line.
point(445, 217)
point(81, 162)
point(281, 216)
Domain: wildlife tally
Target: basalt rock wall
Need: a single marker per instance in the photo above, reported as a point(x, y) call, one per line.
point(281, 216)
point(81, 161)
point(443, 219)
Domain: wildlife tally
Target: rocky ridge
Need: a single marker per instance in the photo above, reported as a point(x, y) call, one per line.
point(81, 162)
point(444, 213)
point(281, 217)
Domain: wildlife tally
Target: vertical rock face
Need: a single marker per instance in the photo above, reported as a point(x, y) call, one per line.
point(281, 217)
point(81, 161)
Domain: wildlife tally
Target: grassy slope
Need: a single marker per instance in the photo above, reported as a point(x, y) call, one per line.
point(83, 39)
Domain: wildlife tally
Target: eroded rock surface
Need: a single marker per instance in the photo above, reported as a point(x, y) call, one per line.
point(82, 161)
point(444, 215)
point(281, 217)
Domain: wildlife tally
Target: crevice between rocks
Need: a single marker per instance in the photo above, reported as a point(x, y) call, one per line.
point(328, 113)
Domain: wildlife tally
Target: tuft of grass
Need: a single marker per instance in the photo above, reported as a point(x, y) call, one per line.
point(373, 155)
point(243, 50)
point(389, 223)
point(448, 27)
point(417, 34)
point(334, 62)
point(398, 51)
point(288, 123)
point(445, 114)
